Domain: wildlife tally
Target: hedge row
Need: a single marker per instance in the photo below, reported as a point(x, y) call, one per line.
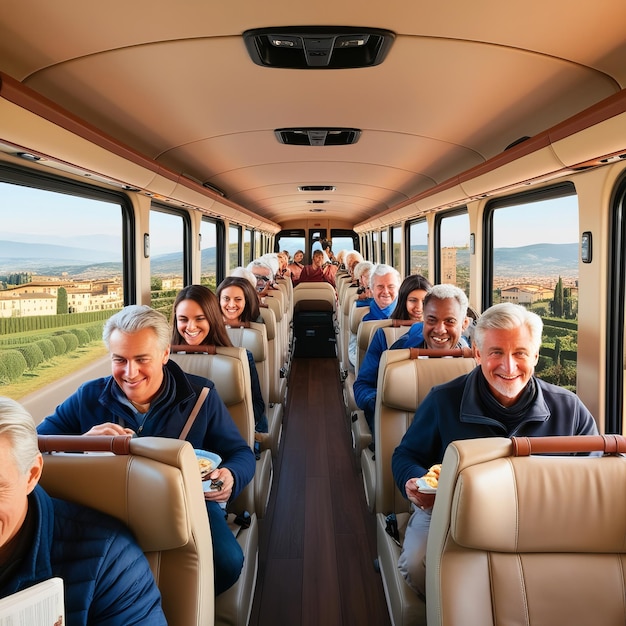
point(15, 361)
point(85, 335)
point(13, 325)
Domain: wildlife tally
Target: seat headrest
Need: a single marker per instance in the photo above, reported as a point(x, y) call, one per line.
point(225, 369)
point(144, 489)
point(407, 381)
point(542, 503)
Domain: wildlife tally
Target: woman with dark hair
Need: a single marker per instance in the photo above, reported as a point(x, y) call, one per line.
point(238, 301)
point(411, 294)
point(197, 320)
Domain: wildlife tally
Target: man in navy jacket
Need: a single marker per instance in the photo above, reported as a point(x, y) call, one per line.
point(501, 398)
point(148, 395)
point(106, 577)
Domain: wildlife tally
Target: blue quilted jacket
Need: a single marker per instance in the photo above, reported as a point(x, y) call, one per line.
point(106, 576)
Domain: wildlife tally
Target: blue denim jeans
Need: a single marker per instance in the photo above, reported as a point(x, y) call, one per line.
point(227, 554)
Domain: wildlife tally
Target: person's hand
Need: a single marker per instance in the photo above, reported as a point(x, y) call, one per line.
point(424, 501)
point(109, 428)
point(228, 482)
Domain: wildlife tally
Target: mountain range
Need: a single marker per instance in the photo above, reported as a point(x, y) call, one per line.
point(95, 262)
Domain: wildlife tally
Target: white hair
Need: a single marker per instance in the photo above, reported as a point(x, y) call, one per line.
point(242, 272)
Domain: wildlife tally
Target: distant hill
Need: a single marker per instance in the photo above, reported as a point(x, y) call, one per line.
point(535, 260)
point(82, 263)
point(542, 259)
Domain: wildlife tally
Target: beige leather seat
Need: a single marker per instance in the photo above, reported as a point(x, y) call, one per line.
point(228, 368)
point(343, 338)
point(403, 382)
point(314, 297)
point(315, 319)
point(153, 486)
point(253, 337)
point(275, 300)
point(278, 375)
point(393, 329)
point(528, 539)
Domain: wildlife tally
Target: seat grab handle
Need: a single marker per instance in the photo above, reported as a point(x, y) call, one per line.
point(118, 444)
point(609, 444)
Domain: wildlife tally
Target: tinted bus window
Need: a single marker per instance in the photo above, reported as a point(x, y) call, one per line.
point(167, 258)
point(208, 253)
point(396, 247)
point(234, 246)
point(418, 248)
point(61, 276)
point(375, 249)
point(384, 235)
point(247, 246)
point(453, 234)
point(538, 268)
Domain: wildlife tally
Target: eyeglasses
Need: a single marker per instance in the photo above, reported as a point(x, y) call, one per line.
point(265, 279)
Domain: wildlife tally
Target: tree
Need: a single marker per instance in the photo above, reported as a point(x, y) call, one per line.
point(557, 302)
point(62, 301)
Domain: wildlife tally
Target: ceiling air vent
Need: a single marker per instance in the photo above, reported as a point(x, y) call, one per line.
point(318, 47)
point(317, 136)
point(317, 201)
point(316, 188)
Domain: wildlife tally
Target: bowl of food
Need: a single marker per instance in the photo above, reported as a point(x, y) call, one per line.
point(428, 482)
point(207, 462)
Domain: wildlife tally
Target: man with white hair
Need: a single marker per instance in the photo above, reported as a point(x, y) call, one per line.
point(500, 398)
point(384, 284)
point(106, 577)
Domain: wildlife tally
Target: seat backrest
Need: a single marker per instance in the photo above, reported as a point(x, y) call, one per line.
point(350, 297)
point(314, 297)
point(155, 489)
point(275, 301)
point(276, 381)
point(229, 370)
point(403, 383)
point(253, 337)
point(530, 539)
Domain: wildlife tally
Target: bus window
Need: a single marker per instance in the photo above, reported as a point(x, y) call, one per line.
point(384, 235)
point(208, 248)
point(61, 276)
point(453, 245)
point(375, 248)
point(291, 240)
point(396, 247)
point(343, 239)
point(247, 246)
point(418, 248)
point(167, 258)
point(258, 235)
point(538, 268)
point(234, 246)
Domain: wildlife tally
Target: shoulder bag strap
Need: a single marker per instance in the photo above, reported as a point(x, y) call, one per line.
point(194, 412)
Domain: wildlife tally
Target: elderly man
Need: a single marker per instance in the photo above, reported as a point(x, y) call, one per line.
point(149, 395)
point(106, 577)
point(384, 284)
point(445, 310)
point(500, 398)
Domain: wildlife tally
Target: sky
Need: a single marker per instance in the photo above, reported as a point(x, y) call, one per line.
point(61, 216)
